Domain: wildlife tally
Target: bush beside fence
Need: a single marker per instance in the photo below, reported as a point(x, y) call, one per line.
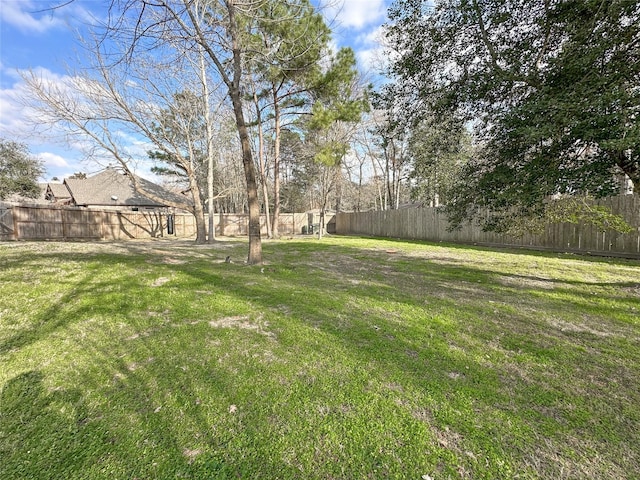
point(431, 224)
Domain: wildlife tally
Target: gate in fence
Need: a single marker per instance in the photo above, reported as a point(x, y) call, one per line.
point(7, 228)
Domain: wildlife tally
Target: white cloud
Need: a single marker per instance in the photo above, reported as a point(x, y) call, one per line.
point(357, 13)
point(52, 160)
point(33, 16)
point(370, 50)
point(13, 121)
point(374, 36)
point(17, 119)
point(61, 158)
point(370, 59)
point(21, 14)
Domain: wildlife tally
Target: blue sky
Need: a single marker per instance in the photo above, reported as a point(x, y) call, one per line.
point(33, 35)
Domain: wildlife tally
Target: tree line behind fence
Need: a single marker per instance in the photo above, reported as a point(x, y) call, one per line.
point(46, 223)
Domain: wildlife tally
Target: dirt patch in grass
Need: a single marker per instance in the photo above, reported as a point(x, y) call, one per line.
point(243, 322)
point(191, 454)
point(521, 281)
point(160, 281)
point(578, 327)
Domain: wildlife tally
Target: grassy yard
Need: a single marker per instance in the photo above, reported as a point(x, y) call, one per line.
point(340, 359)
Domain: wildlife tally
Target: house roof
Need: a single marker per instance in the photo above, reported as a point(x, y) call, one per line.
point(112, 187)
point(59, 190)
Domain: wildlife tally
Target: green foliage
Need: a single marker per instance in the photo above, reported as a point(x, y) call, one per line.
point(576, 209)
point(335, 99)
point(164, 171)
point(181, 126)
point(289, 38)
point(180, 132)
point(567, 209)
point(339, 76)
point(19, 171)
point(331, 153)
point(552, 87)
point(298, 192)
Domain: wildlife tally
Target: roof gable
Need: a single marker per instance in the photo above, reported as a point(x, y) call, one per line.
point(58, 190)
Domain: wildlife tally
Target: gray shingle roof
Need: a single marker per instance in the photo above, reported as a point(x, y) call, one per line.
point(59, 191)
point(111, 187)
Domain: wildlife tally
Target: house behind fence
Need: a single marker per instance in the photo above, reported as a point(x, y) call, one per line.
point(431, 224)
point(46, 222)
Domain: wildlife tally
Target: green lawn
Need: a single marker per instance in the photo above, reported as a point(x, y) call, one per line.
point(343, 358)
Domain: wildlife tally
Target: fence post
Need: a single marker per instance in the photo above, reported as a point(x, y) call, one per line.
point(15, 224)
point(64, 225)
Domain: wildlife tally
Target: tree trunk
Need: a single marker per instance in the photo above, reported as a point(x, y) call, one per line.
point(198, 212)
point(631, 168)
point(263, 173)
point(387, 180)
point(235, 94)
point(263, 178)
point(276, 168)
point(359, 187)
point(255, 242)
point(210, 161)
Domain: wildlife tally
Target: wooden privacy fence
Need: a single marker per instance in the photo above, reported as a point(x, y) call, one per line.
point(431, 224)
point(37, 222)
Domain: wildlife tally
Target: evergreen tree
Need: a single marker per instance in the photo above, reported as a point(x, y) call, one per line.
point(292, 40)
point(19, 171)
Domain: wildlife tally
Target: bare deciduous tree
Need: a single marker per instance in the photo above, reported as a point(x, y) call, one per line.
point(118, 114)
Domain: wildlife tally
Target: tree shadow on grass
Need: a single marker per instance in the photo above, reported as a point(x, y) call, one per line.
point(43, 434)
point(84, 295)
point(146, 439)
point(48, 321)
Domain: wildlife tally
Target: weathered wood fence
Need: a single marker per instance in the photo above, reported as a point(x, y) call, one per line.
point(431, 224)
point(37, 222)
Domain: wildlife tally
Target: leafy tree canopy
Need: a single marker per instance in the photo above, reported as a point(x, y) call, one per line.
point(552, 87)
point(19, 171)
